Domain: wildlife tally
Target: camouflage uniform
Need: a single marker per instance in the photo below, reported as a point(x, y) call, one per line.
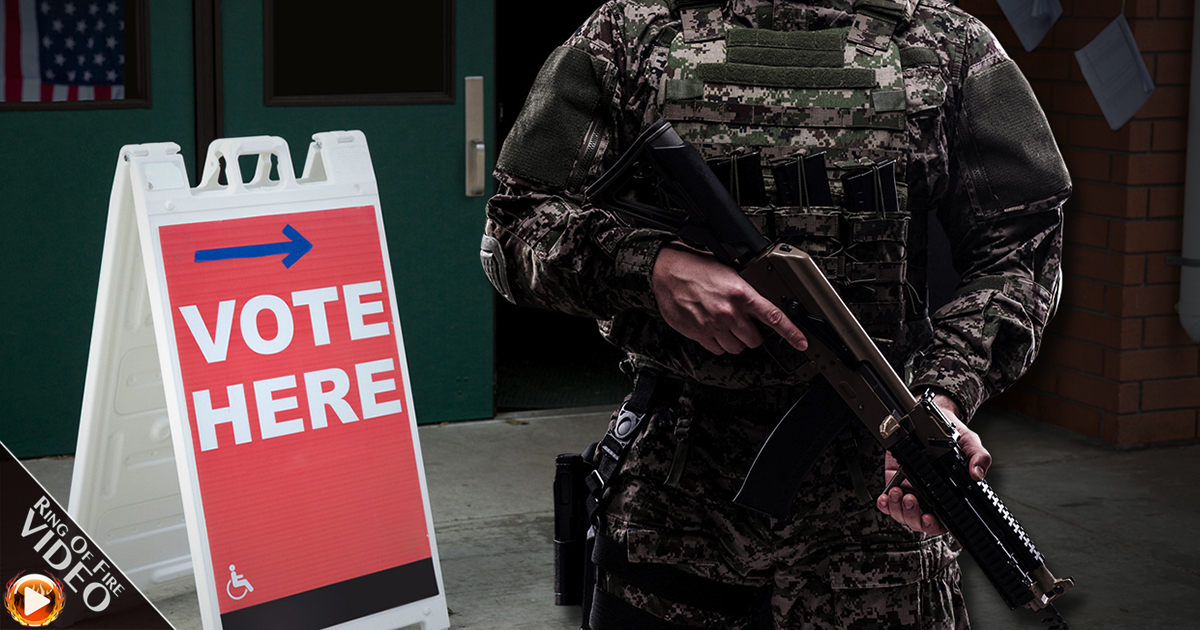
point(972, 148)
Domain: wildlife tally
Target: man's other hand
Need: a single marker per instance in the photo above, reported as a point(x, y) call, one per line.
point(901, 504)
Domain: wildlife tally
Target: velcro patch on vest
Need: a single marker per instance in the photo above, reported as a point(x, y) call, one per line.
point(781, 116)
point(833, 39)
point(785, 57)
point(820, 78)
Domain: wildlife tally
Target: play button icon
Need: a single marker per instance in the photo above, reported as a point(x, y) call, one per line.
point(34, 599)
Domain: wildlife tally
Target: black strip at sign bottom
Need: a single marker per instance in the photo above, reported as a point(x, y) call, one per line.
point(341, 602)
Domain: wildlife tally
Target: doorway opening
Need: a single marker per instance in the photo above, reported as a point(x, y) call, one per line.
point(544, 360)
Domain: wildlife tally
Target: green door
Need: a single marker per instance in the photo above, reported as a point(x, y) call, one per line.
point(56, 173)
point(315, 52)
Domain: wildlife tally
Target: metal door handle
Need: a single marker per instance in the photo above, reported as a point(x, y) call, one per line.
point(476, 151)
point(476, 148)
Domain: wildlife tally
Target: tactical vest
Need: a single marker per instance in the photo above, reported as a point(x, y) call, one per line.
point(734, 92)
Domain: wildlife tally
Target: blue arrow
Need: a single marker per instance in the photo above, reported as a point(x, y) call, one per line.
point(295, 247)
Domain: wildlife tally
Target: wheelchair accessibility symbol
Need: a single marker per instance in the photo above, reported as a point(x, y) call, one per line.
point(237, 581)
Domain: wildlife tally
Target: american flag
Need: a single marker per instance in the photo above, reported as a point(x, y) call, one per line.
point(62, 50)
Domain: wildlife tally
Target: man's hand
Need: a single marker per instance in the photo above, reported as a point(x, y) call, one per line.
point(901, 504)
point(708, 302)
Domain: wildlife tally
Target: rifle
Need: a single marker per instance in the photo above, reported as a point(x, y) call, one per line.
point(854, 375)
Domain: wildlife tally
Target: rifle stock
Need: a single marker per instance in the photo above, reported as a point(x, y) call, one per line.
point(923, 441)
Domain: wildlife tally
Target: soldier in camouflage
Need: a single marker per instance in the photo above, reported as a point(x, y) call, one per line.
point(918, 81)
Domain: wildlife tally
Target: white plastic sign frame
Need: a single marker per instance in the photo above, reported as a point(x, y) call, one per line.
point(289, 428)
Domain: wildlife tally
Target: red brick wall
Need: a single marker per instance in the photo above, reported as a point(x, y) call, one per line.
point(1116, 363)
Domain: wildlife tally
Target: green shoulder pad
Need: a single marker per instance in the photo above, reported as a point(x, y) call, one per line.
point(1011, 151)
point(547, 138)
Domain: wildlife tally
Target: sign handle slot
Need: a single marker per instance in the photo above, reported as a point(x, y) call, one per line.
point(223, 159)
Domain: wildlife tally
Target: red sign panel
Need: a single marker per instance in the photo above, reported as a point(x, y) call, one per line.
point(296, 404)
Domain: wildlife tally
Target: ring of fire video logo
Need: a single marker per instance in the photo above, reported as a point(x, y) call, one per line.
point(34, 599)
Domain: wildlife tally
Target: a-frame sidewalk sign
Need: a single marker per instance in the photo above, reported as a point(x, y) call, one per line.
point(247, 415)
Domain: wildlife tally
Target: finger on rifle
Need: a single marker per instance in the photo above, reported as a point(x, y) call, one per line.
point(979, 459)
point(932, 526)
point(906, 509)
point(766, 312)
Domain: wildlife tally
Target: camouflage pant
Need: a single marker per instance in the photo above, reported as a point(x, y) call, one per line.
point(833, 562)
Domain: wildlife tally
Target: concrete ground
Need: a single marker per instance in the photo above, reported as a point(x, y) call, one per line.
point(1122, 523)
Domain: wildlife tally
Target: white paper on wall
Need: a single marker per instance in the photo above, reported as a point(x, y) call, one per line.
point(1114, 69)
point(1031, 19)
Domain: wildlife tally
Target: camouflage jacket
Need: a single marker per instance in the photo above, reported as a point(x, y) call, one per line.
point(980, 155)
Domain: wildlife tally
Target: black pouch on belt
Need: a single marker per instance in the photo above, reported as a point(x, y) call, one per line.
point(570, 527)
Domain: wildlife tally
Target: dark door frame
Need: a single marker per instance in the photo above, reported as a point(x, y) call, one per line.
point(210, 99)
